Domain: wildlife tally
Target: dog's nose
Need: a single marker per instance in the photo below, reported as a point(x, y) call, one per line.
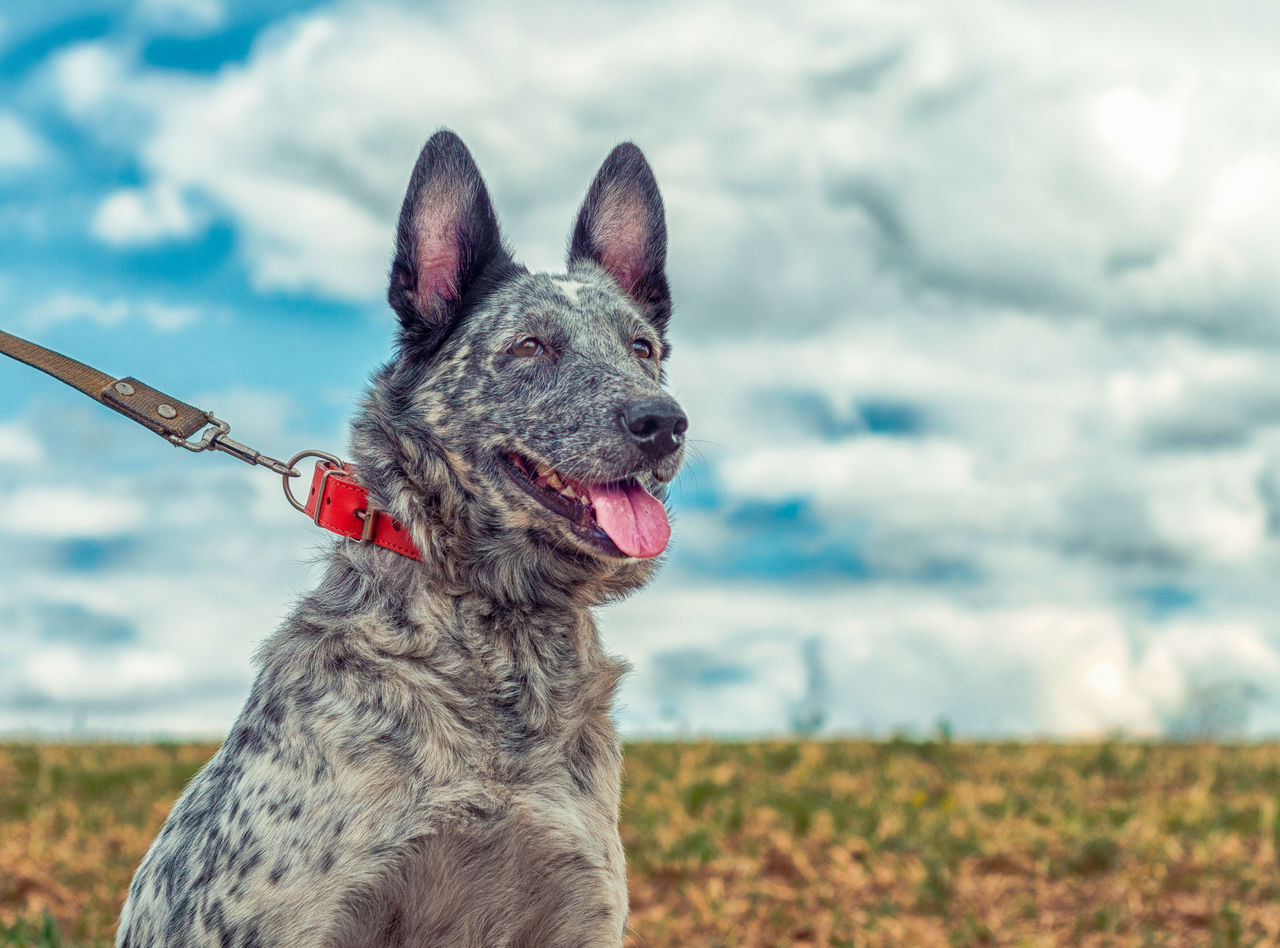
point(657, 425)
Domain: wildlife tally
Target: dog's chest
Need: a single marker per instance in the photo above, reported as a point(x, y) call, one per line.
point(546, 868)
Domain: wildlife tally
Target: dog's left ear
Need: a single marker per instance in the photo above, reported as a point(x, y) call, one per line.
point(622, 227)
point(448, 235)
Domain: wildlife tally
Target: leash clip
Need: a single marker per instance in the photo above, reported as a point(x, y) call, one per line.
point(216, 428)
point(215, 439)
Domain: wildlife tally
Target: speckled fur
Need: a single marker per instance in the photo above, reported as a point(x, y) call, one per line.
point(427, 756)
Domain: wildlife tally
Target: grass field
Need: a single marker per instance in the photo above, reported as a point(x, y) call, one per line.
point(788, 843)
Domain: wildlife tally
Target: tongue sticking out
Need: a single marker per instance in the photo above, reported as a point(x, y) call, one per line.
point(635, 520)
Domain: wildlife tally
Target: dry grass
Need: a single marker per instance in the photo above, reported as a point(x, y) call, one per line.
point(785, 843)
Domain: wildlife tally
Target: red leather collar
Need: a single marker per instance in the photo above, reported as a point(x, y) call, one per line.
point(336, 502)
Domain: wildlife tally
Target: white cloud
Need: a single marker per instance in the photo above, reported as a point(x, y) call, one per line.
point(182, 17)
point(66, 674)
point(900, 657)
point(1104, 455)
point(20, 147)
point(1029, 157)
point(136, 216)
point(1146, 133)
point(1046, 642)
point(1046, 234)
point(18, 446)
point(136, 602)
point(65, 512)
point(88, 76)
point(62, 307)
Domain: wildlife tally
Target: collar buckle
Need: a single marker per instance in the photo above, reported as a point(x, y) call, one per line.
point(368, 517)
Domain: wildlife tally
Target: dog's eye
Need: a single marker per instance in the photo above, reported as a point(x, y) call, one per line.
point(642, 349)
point(527, 347)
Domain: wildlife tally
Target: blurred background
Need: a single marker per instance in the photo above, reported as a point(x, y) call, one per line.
point(977, 323)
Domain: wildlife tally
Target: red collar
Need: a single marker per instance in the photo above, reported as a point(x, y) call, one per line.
point(336, 502)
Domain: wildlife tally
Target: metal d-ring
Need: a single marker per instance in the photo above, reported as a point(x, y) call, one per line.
point(294, 472)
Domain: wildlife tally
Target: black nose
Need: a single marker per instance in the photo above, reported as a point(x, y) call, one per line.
point(656, 424)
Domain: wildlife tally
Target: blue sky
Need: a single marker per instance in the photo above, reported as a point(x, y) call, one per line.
point(977, 323)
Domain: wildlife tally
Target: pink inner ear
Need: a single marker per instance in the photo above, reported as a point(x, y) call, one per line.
point(621, 234)
point(438, 257)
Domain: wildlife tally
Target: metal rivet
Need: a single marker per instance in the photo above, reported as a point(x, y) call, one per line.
point(167, 411)
point(124, 388)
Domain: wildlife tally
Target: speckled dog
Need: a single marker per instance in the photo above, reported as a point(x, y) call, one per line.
point(427, 756)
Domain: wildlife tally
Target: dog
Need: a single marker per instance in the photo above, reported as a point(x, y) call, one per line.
point(427, 756)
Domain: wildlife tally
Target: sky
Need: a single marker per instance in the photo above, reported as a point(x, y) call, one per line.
point(977, 323)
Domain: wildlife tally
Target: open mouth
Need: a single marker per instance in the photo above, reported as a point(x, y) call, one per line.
point(620, 517)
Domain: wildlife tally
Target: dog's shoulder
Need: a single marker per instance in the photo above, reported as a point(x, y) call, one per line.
point(313, 793)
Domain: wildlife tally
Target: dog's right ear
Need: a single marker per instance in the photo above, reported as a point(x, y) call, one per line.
point(448, 235)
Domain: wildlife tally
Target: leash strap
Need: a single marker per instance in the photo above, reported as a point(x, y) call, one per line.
point(336, 501)
point(163, 414)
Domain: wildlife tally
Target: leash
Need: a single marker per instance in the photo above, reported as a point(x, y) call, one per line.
point(336, 500)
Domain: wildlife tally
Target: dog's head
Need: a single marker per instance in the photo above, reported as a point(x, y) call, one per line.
point(522, 429)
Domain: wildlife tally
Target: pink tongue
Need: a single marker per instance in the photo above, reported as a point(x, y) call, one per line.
point(635, 520)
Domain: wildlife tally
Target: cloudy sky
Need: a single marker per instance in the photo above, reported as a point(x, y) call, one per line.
point(977, 323)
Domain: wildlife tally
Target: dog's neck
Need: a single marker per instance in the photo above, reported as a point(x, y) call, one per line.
point(524, 671)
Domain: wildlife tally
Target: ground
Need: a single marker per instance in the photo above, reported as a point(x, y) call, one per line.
point(819, 843)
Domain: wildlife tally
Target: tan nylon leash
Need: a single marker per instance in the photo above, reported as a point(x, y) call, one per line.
point(336, 502)
point(173, 420)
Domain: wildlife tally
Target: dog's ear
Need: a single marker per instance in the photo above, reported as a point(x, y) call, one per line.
point(621, 226)
point(448, 235)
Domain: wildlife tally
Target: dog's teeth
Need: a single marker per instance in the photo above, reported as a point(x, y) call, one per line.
point(554, 480)
point(544, 469)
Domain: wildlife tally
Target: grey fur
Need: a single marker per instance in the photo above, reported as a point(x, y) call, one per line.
point(427, 756)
